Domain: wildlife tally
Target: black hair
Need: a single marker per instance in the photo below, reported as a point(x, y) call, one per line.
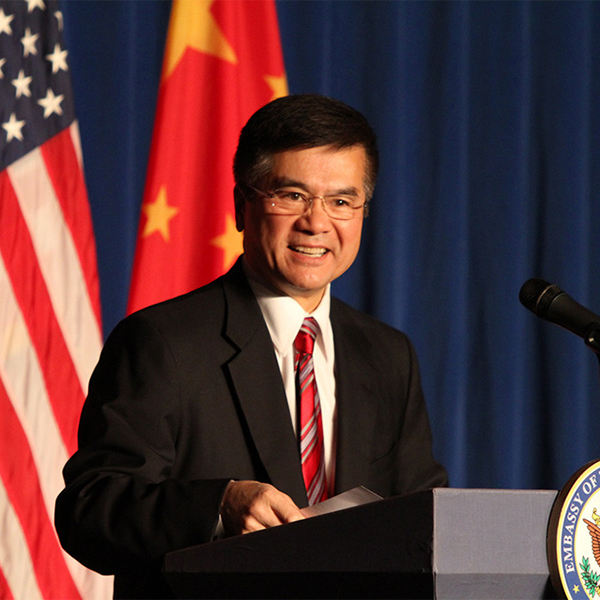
point(299, 122)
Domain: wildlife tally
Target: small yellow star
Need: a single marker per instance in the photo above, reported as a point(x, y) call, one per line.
point(192, 25)
point(231, 242)
point(278, 85)
point(158, 215)
point(576, 589)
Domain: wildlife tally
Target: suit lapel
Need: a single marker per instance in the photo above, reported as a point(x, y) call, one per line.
point(356, 409)
point(257, 381)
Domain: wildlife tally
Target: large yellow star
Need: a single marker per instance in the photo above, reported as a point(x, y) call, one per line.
point(192, 25)
point(231, 242)
point(158, 215)
point(278, 85)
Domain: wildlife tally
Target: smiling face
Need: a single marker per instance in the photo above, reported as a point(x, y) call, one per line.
point(300, 254)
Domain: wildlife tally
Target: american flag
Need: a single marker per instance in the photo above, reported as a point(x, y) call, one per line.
point(50, 332)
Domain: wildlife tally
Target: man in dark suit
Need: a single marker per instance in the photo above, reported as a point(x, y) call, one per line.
point(191, 426)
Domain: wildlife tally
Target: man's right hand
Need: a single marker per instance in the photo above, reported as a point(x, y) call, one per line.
point(250, 506)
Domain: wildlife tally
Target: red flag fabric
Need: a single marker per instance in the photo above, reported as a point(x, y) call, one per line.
point(50, 333)
point(222, 62)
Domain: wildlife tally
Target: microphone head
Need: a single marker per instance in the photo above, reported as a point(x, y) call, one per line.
point(536, 295)
point(549, 302)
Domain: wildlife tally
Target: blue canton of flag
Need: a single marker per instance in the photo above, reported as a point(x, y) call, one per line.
point(35, 85)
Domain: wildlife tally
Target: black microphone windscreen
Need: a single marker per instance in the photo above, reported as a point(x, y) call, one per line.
point(549, 302)
point(536, 295)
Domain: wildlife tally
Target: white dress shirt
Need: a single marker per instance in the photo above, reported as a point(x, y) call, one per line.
point(284, 317)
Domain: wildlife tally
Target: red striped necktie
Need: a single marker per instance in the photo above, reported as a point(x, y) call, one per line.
point(311, 426)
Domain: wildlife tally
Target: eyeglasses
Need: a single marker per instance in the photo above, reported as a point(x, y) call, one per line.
point(286, 201)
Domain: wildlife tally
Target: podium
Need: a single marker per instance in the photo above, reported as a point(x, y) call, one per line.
point(440, 543)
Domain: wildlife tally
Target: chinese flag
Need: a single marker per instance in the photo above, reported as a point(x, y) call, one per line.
point(222, 62)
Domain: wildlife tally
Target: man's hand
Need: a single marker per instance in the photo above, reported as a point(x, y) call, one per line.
point(249, 506)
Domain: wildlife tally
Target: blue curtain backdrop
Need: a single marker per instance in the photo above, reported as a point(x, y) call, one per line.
point(488, 116)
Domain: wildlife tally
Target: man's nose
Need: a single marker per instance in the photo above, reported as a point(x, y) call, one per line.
point(315, 216)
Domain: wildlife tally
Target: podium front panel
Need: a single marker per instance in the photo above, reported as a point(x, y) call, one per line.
point(491, 544)
point(378, 550)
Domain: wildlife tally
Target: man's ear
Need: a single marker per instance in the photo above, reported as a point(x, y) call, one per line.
point(240, 207)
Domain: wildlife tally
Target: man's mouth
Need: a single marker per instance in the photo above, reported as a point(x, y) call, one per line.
point(307, 251)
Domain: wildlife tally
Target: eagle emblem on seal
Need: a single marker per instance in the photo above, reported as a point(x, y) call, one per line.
point(589, 577)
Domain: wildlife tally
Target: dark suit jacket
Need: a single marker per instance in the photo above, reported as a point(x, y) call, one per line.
point(188, 395)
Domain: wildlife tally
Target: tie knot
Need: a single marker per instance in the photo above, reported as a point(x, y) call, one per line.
point(305, 340)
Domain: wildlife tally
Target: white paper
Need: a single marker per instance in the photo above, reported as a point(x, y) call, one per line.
point(354, 497)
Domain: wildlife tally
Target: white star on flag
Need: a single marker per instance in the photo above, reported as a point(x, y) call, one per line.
point(31, 4)
point(51, 104)
point(58, 59)
point(22, 84)
point(13, 128)
point(5, 22)
point(28, 41)
point(2, 61)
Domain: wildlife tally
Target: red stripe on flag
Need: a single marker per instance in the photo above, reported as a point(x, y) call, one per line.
point(19, 474)
point(5, 591)
point(62, 383)
point(67, 179)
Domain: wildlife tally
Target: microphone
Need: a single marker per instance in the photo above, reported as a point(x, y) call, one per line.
point(549, 302)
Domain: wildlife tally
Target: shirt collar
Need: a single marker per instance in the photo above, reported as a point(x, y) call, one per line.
point(284, 316)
